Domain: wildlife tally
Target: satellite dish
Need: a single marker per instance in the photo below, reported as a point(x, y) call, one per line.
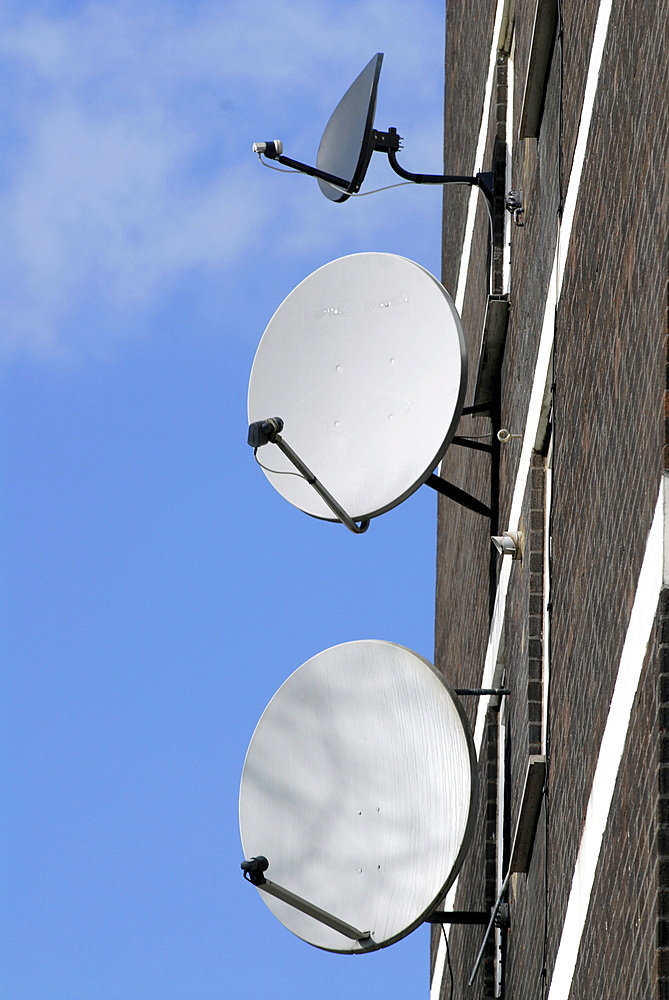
point(358, 796)
point(365, 365)
point(348, 140)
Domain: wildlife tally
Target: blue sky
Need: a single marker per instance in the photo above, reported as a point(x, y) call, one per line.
point(157, 591)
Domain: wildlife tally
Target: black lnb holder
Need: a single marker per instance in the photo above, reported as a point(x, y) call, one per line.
point(254, 870)
point(273, 150)
point(264, 431)
point(269, 432)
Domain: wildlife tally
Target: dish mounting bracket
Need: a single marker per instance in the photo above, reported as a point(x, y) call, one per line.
point(460, 496)
point(390, 142)
point(480, 917)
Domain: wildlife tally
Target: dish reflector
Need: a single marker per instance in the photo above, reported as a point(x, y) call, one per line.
point(360, 787)
point(348, 142)
point(365, 363)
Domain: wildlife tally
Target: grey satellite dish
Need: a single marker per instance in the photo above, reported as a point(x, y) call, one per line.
point(350, 139)
point(364, 368)
point(358, 796)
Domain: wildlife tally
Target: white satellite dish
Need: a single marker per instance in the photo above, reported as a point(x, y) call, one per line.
point(365, 365)
point(359, 789)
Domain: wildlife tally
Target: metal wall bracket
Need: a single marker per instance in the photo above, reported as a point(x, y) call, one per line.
point(390, 142)
point(499, 916)
point(482, 691)
point(466, 442)
point(483, 181)
point(460, 496)
point(458, 917)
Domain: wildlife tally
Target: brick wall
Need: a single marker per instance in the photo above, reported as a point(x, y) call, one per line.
point(617, 959)
point(609, 450)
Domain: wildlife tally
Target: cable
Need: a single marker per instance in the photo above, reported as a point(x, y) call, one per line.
point(361, 194)
point(277, 472)
point(352, 194)
point(448, 959)
point(279, 170)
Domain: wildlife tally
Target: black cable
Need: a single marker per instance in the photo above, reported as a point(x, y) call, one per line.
point(277, 472)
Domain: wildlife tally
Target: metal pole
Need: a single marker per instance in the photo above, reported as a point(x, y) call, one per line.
point(314, 911)
point(335, 507)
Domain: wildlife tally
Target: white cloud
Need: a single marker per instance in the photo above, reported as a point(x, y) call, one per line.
point(128, 160)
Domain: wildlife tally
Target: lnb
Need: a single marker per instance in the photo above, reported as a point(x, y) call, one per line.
point(254, 870)
point(271, 149)
point(264, 431)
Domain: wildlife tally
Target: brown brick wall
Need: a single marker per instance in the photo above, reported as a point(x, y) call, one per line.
point(466, 70)
point(617, 959)
point(609, 451)
point(608, 431)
